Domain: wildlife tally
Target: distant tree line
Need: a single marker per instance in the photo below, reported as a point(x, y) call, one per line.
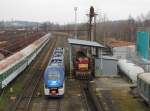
point(121, 29)
point(105, 28)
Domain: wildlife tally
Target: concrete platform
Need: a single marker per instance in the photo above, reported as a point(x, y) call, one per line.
point(115, 95)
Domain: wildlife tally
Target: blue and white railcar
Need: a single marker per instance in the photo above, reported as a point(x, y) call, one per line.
point(54, 75)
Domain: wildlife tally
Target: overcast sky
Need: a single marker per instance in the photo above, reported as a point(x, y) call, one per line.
point(62, 11)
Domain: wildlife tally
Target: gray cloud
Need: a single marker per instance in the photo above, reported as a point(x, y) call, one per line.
point(62, 11)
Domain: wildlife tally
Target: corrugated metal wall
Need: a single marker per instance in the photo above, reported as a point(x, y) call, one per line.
point(109, 67)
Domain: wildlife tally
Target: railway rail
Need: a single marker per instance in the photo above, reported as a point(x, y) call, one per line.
point(24, 101)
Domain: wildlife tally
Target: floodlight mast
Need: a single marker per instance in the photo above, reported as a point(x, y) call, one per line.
point(75, 9)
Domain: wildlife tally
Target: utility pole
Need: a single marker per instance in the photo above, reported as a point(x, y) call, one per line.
point(104, 36)
point(75, 28)
point(92, 27)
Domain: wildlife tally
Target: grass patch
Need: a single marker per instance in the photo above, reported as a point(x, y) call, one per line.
point(3, 101)
point(17, 88)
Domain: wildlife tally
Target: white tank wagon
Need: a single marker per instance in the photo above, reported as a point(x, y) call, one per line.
point(129, 69)
point(13, 65)
point(143, 85)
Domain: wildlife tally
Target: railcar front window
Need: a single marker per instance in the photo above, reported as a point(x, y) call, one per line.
point(54, 75)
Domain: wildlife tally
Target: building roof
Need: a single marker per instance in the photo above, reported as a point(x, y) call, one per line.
point(85, 43)
point(145, 77)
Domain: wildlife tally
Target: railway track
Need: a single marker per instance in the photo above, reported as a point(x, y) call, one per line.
point(88, 98)
point(52, 105)
point(84, 97)
point(24, 101)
